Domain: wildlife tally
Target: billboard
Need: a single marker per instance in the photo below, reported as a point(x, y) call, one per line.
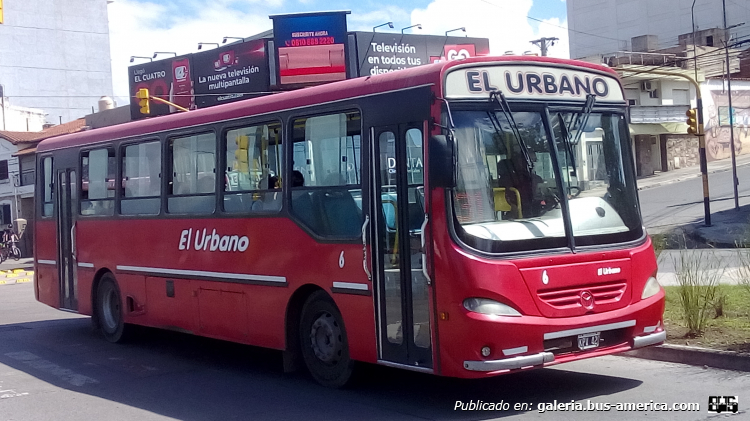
point(169, 79)
point(310, 47)
point(383, 52)
point(230, 73)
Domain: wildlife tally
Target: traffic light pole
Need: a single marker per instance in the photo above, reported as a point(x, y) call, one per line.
point(701, 135)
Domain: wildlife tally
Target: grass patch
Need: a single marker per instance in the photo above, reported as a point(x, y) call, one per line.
point(728, 332)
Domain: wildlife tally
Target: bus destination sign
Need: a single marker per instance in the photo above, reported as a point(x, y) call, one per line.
point(530, 82)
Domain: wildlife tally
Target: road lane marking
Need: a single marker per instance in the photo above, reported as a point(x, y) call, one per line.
point(51, 368)
point(10, 393)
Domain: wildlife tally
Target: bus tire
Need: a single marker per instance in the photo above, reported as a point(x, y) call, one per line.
point(323, 340)
point(109, 309)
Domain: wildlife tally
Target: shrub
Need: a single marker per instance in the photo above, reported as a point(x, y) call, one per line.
point(698, 273)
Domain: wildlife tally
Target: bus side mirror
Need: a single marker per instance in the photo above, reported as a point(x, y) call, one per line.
point(442, 163)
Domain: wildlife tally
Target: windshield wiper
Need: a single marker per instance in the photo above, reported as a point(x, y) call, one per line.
point(568, 143)
point(499, 99)
point(580, 121)
point(582, 118)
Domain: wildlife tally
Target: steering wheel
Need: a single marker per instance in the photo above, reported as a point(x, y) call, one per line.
point(574, 188)
point(551, 200)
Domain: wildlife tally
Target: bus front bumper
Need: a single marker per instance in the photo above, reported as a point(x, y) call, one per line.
point(542, 358)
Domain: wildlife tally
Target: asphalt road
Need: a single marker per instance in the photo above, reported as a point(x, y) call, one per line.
point(681, 203)
point(53, 367)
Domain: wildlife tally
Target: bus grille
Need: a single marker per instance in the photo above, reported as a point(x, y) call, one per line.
point(570, 297)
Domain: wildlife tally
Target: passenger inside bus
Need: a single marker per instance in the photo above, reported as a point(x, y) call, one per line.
point(268, 201)
point(298, 180)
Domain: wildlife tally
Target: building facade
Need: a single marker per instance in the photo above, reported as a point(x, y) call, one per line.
point(18, 172)
point(605, 26)
point(636, 37)
point(55, 56)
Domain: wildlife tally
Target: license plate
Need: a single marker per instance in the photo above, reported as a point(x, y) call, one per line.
point(588, 340)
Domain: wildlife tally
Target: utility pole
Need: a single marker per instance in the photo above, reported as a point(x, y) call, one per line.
point(701, 135)
point(735, 181)
point(543, 44)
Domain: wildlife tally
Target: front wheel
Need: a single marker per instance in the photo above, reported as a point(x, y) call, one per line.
point(16, 253)
point(109, 309)
point(324, 343)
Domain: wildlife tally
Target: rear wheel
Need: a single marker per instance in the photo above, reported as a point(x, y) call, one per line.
point(324, 343)
point(109, 309)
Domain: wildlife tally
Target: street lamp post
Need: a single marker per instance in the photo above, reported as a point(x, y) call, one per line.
point(735, 181)
point(457, 29)
point(418, 26)
point(164, 52)
point(390, 25)
point(201, 44)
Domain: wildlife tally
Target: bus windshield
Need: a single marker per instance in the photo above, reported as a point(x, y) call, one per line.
point(511, 182)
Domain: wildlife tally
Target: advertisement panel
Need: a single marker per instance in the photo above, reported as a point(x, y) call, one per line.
point(167, 79)
point(310, 47)
point(230, 73)
point(383, 52)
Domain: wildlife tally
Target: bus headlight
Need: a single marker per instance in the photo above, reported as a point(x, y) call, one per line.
point(652, 288)
point(491, 307)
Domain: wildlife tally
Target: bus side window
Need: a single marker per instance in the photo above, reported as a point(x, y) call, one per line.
point(193, 176)
point(327, 155)
point(98, 182)
point(48, 205)
point(141, 179)
point(252, 180)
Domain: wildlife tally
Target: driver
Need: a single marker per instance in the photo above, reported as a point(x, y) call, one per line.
point(514, 173)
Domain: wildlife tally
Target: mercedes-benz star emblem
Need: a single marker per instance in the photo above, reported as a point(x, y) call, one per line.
point(587, 300)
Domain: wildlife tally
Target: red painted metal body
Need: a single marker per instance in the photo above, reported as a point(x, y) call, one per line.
point(256, 314)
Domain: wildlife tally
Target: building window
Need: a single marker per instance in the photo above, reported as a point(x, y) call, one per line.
point(4, 170)
point(738, 114)
point(252, 182)
point(28, 173)
point(681, 96)
point(7, 219)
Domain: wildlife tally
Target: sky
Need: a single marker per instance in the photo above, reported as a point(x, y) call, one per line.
point(142, 27)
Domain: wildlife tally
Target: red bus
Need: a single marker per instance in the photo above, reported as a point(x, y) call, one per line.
point(466, 219)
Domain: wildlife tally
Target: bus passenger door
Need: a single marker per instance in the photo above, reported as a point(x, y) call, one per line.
point(398, 215)
point(67, 198)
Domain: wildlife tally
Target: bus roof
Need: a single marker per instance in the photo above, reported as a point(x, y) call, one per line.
point(351, 88)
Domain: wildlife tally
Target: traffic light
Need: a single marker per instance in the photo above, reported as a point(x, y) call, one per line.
point(143, 102)
point(692, 121)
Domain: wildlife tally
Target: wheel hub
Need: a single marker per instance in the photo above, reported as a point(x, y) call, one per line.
point(325, 337)
point(111, 307)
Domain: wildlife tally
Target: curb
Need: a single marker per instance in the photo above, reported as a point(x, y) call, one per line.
point(691, 355)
